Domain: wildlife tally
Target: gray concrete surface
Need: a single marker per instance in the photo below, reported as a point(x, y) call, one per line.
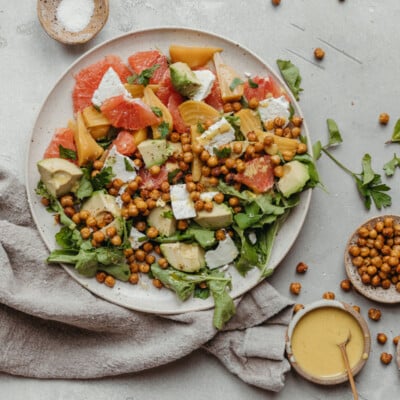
point(357, 80)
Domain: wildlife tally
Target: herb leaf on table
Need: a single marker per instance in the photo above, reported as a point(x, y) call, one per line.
point(368, 182)
point(291, 75)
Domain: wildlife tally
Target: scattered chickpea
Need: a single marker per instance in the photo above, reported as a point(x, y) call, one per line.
point(301, 268)
point(134, 278)
point(157, 283)
point(220, 234)
point(297, 307)
point(346, 285)
point(144, 268)
point(109, 281)
point(386, 358)
point(297, 121)
point(116, 240)
point(356, 308)
point(162, 262)
point(319, 53)
point(384, 118)
point(396, 340)
point(100, 277)
point(374, 314)
point(328, 296)
point(381, 338)
point(276, 2)
point(295, 288)
point(85, 233)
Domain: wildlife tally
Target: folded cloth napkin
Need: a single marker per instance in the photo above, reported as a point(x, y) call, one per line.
point(51, 327)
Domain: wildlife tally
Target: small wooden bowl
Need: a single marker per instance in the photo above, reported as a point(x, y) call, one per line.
point(47, 13)
point(342, 377)
point(378, 294)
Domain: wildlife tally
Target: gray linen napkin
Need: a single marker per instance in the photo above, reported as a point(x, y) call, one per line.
point(51, 327)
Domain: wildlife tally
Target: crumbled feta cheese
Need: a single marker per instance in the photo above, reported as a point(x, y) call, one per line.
point(206, 79)
point(225, 253)
point(110, 86)
point(216, 135)
point(182, 204)
point(136, 238)
point(271, 108)
point(122, 166)
point(207, 196)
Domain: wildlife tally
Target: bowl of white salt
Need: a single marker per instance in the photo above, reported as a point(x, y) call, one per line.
point(72, 21)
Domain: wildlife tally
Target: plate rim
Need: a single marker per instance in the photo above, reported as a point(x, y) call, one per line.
point(306, 196)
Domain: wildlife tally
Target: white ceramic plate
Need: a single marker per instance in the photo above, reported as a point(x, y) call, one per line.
point(56, 111)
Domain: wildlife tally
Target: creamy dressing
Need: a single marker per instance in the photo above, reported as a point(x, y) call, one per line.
point(316, 337)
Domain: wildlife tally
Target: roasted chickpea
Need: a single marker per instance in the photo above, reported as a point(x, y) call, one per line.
point(374, 314)
point(152, 232)
point(295, 288)
point(157, 283)
point(346, 285)
point(253, 103)
point(297, 307)
point(396, 340)
point(328, 296)
point(109, 281)
point(134, 278)
point(384, 118)
point(381, 338)
point(101, 276)
point(386, 358)
point(319, 53)
point(162, 262)
point(356, 308)
point(301, 268)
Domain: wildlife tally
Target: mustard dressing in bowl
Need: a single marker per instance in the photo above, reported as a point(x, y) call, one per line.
point(313, 338)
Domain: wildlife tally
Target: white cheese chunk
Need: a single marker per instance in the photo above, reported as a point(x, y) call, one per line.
point(224, 254)
point(136, 238)
point(122, 166)
point(109, 86)
point(217, 135)
point(271, 108)
point(182, 204)
point(207, 196)
point(207, 79)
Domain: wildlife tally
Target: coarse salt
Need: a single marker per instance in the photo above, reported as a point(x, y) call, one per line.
point(75, 15)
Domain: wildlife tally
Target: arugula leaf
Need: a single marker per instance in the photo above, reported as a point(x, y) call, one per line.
point(235, 83)
point(85, 188)
point(67, 153)
point(391, 165)
point(291, 75)
point(144, 77)
point(128, 165)
point(205, 237)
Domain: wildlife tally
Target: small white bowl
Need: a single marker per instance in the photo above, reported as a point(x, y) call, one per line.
point(340, 376)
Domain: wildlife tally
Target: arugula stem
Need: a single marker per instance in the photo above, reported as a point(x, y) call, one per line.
point(338, 163)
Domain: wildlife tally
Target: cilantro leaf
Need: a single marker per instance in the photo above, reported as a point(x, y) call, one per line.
point(163, 128)
point(68, 154)
point(144, 77)
point(391, 165)
point(396, 132)
point(291, 75)
point(252, 84)
point(225, 152)
point(235, 83)
point(157, 111)
point(102, 179)
point(334, 134)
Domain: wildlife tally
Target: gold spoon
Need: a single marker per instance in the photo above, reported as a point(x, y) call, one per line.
point(342, 347)
point(47, 13)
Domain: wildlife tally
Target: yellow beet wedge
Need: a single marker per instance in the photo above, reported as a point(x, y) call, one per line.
point(193, 56)
point(97, 124)
point(193, 112)
point(156, 104)
point(249, 120)
point(136, 90)
point(86, 147)
point(230, 83)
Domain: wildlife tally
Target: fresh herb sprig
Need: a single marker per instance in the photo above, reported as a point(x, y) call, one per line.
point(291, 75)
point(144, 77)
point(369, 183)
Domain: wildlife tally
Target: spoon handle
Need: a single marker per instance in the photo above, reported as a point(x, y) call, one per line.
point(348, 369)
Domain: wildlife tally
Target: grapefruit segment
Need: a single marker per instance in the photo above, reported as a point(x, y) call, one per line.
point(88, 79)
point(146, 59)
point(125, 143)
point(63, 137)
point(132, 114)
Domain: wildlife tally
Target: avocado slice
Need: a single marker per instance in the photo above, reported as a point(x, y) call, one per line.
point(163, 219)
point(100, 203)
point(295, 176)
point(184, 79)
point(154, 152)
point(60, 176)
point(184, 257)
point(219, 217)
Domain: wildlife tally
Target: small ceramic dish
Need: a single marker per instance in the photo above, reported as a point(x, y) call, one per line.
point(313, 338)
point(376, 293)
point(47, 13)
